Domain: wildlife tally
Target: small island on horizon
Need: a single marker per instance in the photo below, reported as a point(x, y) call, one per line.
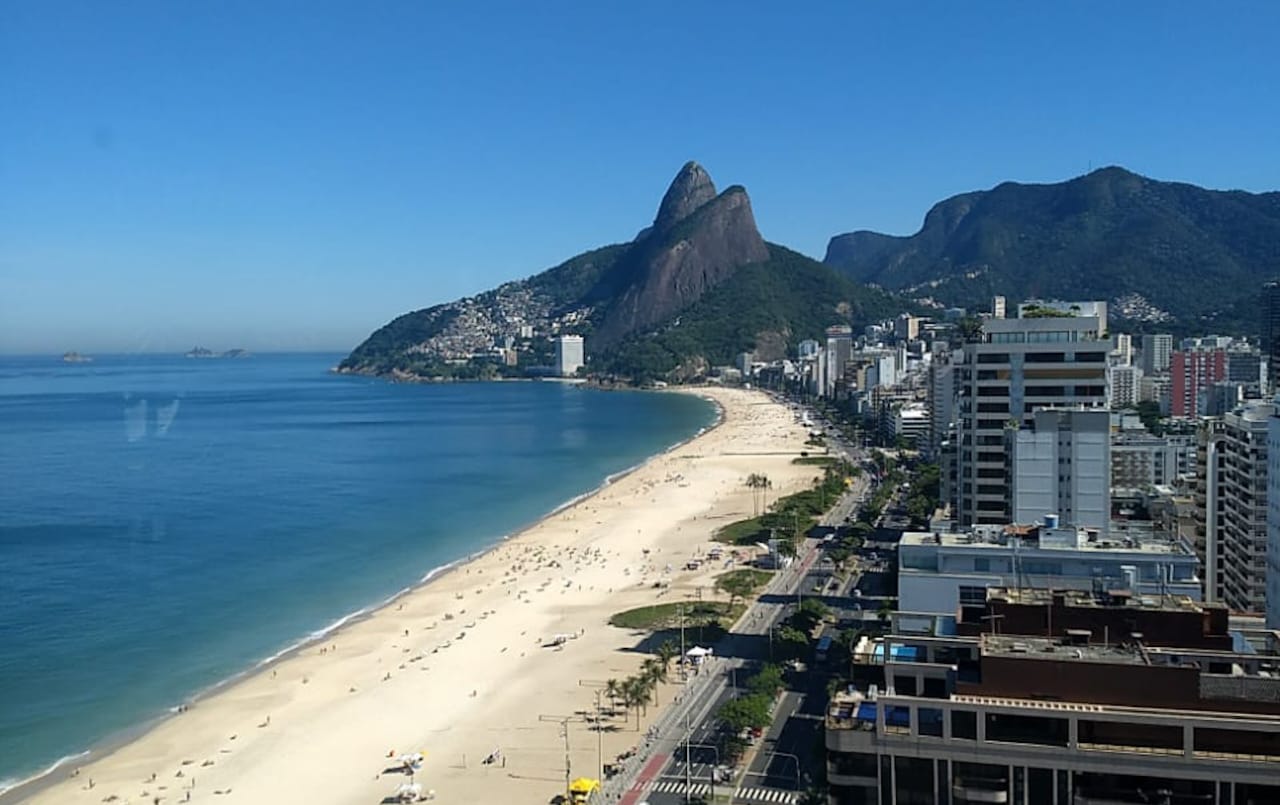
point(202, 352)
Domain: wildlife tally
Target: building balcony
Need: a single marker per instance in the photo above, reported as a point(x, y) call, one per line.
point(980, 790)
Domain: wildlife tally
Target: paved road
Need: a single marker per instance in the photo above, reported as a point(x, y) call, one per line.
point(665, 779)
point(773, 774)
point(661, 775)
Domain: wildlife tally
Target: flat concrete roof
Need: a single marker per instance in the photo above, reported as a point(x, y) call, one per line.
point(1143, 544)
point(1040, 596)
point(1043, 648)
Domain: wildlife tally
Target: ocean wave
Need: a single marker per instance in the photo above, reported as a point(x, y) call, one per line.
point(311, 637)
point(320, 634)
point(10, 784)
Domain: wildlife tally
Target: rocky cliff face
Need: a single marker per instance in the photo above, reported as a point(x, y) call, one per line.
point(691, 188)
point(697, 241)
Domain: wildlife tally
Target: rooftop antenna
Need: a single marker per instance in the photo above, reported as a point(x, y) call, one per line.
point(995, 623)
point(1049, 612)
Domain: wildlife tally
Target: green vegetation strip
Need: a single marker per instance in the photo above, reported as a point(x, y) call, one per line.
point(667, 616)
point(791, 515)
point(746, 579)
point(815, 461)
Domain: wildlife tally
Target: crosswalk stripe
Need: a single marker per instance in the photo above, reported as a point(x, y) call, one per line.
point(766, 795)
point(677, 787)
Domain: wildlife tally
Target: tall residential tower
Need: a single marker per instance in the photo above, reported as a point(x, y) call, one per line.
point(1015, 367)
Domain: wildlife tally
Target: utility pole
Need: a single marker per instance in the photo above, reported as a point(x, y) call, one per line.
point(599, 688)
point(698, 590)
point(680, 610)
point(564, 721)
point(688, 735)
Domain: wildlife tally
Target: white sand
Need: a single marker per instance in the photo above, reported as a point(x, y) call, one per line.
point(317, 727)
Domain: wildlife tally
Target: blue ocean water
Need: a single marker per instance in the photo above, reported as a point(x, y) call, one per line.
point(168, 522)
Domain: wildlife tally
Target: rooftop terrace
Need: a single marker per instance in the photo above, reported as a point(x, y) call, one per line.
point(1041, 538)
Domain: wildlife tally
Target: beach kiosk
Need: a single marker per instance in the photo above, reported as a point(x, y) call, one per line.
point(582, 790)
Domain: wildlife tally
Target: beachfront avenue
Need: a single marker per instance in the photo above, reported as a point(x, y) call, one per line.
point(678, 759)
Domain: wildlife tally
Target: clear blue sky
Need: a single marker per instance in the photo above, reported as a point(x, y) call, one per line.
point(291, 175)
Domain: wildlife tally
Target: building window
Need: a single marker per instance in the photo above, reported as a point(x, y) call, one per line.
point(971, 595)
point(964, 725)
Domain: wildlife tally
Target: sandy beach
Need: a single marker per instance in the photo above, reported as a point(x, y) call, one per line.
point(459, 669)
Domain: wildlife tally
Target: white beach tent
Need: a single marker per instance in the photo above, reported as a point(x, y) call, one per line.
point(697, 654)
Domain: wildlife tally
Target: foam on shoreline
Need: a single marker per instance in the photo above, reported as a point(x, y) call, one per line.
point(11, 785)
point(14, 791)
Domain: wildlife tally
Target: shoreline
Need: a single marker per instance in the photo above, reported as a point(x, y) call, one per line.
point(62, 769)
point(434, 585)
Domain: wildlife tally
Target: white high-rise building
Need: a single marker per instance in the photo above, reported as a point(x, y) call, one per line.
point(942, 396)
point(839, 349)
point(1273, 522)
point(1123, 348)
point(1124, 385)
point(1156, 352)
point(1016, 367)
point(1062, 465)
point(1235, 513)
point(569, 355)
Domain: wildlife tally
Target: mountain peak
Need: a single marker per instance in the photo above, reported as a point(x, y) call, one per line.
point(691, 188)
point(1193, 257)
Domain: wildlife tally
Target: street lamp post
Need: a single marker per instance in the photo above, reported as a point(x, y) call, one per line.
point(783, 754)
point(688, 733)
point(599, 687)
point(564, 721)
point(716, 753)
point(680, 610)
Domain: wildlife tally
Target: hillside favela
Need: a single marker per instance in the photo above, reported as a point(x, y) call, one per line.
point(593, 405)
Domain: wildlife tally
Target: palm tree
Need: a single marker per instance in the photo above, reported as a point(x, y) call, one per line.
point(755, 482)
point(653, 671)
point(629, 697)
point(667, 652)
point(613, 689)
point(638, 696)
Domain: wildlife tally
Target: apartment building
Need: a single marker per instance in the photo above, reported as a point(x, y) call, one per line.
point(1192, 371)
point(1156, 350)
point(1014, 368)
point(1231, 497)
point(1124, 385)
point(1062, 465)
point(940, 572)
point(1273, 522)
point(1051, 698)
